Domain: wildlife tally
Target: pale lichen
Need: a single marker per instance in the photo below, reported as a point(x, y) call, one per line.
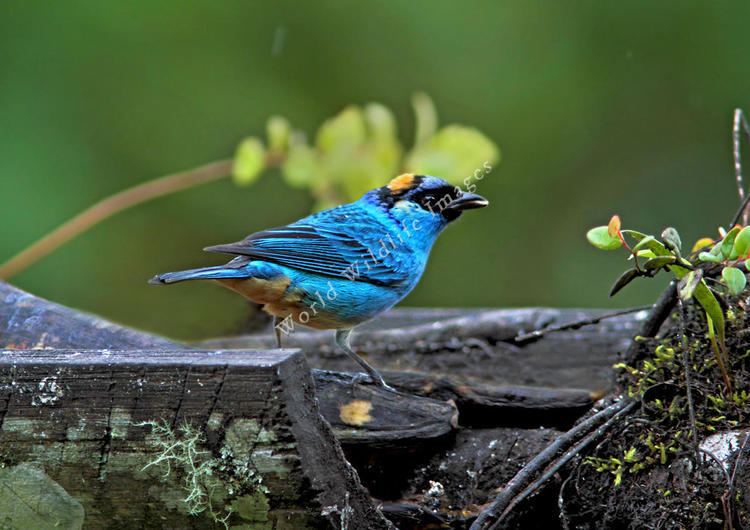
point(217, 485)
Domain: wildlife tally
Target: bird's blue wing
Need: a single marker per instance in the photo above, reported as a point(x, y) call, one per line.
point(332, 243)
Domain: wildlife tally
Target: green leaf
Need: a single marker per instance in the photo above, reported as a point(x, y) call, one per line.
point(671, 238)
point(624, 279)
point(301, 168)
point(728, 242)
point(455, 153)
point(707, 300)
point(249, 161)
point(689, 283)
point(644, 242)
point(600, 238)
point(651, 243)
point(713, 310)
point(425, 117)
point(702, 243)
point(356, 150)
point(278, 132)
point(742, 243)
point(707, 256)
point(658, 262)
point(633, 233)
point(343, 132)
point(735, 279)
point(380, 122)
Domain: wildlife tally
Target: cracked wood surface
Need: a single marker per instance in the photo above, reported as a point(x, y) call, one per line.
point(473, 345)
point(84, 417)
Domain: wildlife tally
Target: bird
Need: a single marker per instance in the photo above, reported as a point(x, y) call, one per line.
point(343, 266)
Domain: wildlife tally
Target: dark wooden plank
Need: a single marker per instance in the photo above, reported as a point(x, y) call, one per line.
point(30, 322)
point(92, 422)
point(474, 345)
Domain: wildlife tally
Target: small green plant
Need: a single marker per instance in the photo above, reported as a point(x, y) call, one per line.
point(630, 461)
point(708, 258)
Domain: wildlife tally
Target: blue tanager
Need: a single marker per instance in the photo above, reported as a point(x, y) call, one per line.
point(340, 267)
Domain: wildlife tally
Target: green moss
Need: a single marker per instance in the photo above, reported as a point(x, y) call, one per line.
point(658, 442)
point(252, 507)
point(31, 499)
point(214, 421)
point(119, 422)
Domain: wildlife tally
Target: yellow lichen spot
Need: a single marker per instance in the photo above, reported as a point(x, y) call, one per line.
point(356, 412)
point(401, 183)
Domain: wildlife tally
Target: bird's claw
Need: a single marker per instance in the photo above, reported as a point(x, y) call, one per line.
point(361, 377)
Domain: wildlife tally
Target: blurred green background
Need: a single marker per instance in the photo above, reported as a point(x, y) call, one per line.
point(598, 108)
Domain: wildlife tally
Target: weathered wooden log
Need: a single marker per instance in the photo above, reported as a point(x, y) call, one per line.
point(368, 415)
point(474, 345)
point(467, 366)
point(141, 438)
point(481, 405)
point(29, 322)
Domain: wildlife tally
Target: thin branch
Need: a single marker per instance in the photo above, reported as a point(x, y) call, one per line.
point(110, 206)
point(555, 466)
point(740, 210)
point(740, 125)
point(659, 313)
point(726, 503)
point(539, 333)
point(497, 510)
point(737, 460)
point(688, 385)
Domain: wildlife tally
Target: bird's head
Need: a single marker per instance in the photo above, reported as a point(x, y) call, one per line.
point(424, 198)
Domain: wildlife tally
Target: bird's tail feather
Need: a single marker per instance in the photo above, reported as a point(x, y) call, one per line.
point(205, 273)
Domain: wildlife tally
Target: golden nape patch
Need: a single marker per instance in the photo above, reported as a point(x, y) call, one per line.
point(356, 412)
point(401, 183)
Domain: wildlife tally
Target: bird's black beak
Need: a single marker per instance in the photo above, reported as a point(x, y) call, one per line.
point(467, 201)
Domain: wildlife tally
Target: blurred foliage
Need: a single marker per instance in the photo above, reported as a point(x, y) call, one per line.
point(358, 149)
point(598, 107)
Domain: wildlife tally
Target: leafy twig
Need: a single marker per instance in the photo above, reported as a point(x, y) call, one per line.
point(539, 333)
point(740, 125)
point(110, 206)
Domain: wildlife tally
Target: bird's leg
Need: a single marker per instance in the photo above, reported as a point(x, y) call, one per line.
point(342, 339)
point(277, 330)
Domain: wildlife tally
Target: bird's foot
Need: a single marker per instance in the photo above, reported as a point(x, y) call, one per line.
point(361, 377)
point(385, 386)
